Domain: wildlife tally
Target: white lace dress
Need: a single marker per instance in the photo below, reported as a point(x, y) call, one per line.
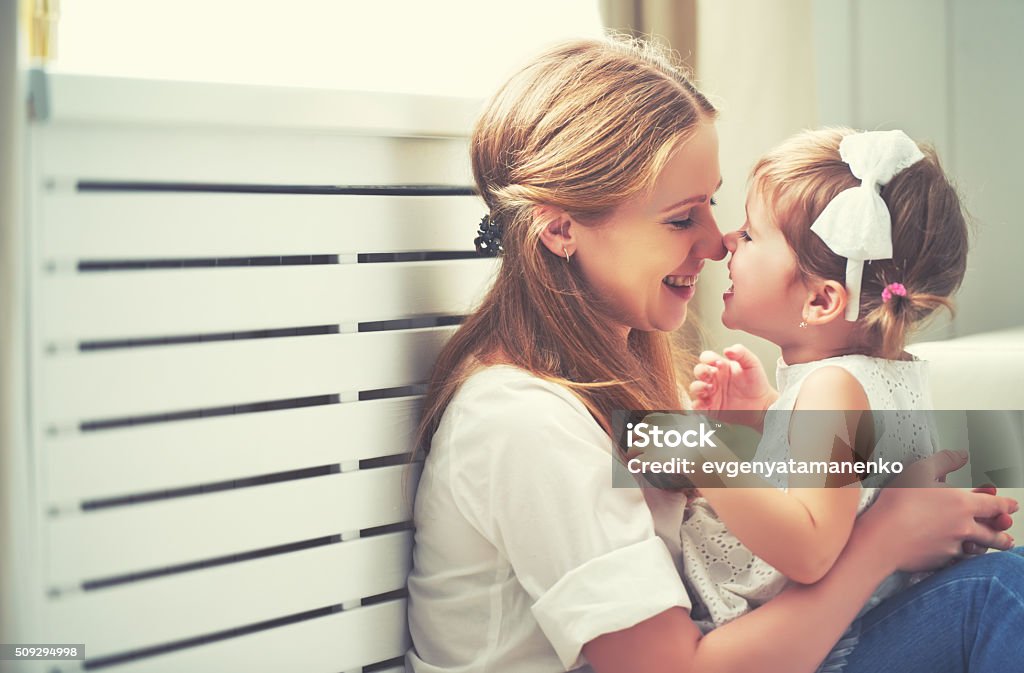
point(725, 579)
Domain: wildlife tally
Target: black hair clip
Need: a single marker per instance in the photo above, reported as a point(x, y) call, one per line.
point(488, 243)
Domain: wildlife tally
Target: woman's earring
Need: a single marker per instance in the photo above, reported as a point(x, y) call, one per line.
point(566, 253)
point(803, 324)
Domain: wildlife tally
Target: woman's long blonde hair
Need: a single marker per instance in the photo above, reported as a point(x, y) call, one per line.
point(584, 127)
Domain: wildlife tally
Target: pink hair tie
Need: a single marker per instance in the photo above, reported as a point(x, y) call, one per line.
point(893, 289)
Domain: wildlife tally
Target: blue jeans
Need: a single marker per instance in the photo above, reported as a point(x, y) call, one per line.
point(966, 618)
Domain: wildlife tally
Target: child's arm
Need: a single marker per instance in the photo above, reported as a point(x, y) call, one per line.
point(728, 385)
point(802, 531)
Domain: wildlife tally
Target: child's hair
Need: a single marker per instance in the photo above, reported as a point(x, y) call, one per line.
point(801, 176)
point(584, 127)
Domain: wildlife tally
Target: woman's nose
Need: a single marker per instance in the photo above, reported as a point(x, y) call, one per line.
point(714, 248)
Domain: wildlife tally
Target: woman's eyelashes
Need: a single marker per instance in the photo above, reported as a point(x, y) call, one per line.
point(687, 222)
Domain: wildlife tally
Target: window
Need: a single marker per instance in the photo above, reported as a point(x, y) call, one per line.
point(448, 47)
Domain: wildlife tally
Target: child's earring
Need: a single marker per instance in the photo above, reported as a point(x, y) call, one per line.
point(803, 324)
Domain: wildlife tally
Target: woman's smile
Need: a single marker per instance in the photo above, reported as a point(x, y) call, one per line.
point(683, 287)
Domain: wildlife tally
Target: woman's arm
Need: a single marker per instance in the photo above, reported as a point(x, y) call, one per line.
point(907, 529)
point(775, 637)
point(801, 532)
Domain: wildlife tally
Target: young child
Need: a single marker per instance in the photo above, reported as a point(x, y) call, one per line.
point(851, 239)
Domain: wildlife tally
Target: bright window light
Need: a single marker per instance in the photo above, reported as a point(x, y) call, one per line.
point(447, 47)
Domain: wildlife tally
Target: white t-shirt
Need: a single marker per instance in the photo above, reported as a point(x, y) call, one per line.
point(524, 552)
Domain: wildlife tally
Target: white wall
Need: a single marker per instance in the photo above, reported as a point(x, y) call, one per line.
point(756, 61)
point(15, 518)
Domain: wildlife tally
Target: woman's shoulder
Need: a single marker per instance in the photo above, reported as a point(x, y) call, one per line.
point(503, 418)
point(503, 403)
point(503, 390)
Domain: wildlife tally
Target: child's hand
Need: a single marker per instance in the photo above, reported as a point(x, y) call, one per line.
point(733, 381)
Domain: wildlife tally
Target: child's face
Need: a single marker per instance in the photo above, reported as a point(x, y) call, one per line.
point(767, 294)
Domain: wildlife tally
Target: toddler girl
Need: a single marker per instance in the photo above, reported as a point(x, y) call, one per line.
point(850, 240)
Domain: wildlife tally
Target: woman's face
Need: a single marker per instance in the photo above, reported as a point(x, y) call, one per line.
point(645, 259)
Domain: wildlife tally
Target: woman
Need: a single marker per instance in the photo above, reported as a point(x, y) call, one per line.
point(599, 162)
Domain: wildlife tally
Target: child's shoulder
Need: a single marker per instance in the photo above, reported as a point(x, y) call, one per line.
point(866, 368)
point(832, 386)
point(857, 365)
point(885, 383)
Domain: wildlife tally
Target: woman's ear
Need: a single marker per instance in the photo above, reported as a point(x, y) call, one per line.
point(825, 302)
point(556, 230)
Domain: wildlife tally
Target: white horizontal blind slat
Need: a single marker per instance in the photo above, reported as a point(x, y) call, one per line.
point(143, 303)
point(329, 644)
point(216, 599)
point(163, 533)
point(160, 456)
point(161, 379)
point(131, 225)
point(210, 155)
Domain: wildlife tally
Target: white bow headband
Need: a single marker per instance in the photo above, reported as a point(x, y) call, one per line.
point(856, 223)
